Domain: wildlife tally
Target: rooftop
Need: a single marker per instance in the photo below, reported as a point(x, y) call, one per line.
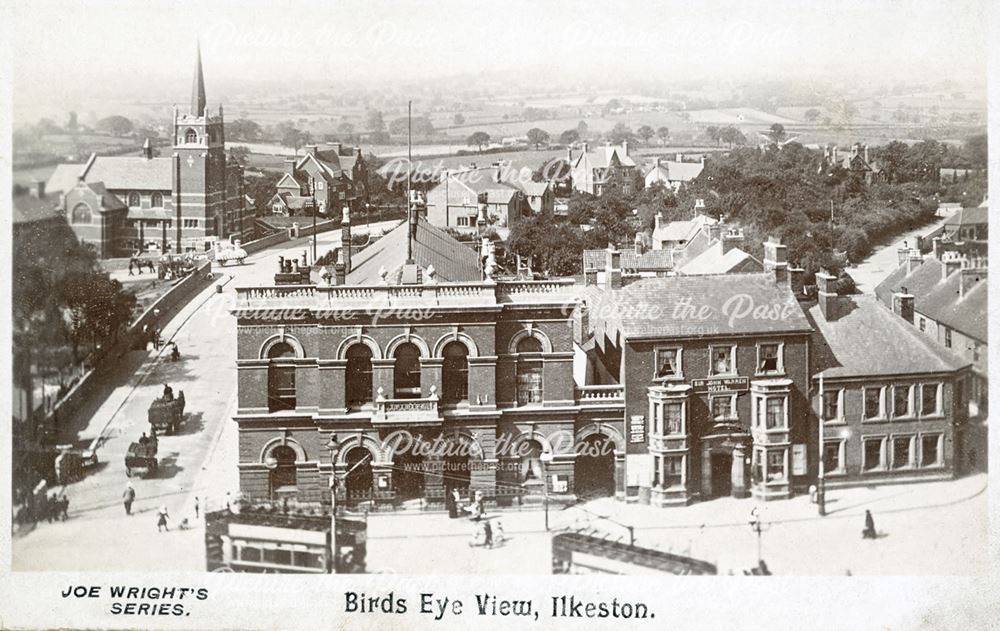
point(683, 230)
point(690, 306)
point(673, 171)
point(713, 261)
point(869, 340)
point(969, 216)
point(117, 173)
point(29, 208)
point(648, 261)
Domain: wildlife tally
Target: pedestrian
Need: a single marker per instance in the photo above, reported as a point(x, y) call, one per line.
point(488, 534)
point(52, 508)
point(227, 500)
point(143, 440)
point(128, 497)
point(161, 521)
point(168, 392)
point(456, 504)
point(196, 507)
point(869, 531)
point(64, 507)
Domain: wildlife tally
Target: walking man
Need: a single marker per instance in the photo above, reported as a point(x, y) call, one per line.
point(161, 522)
point(128, 496)
point(196, 507)
point(869, 531)
point(488, 532)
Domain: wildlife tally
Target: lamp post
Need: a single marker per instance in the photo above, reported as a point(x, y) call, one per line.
point(333, 445)
point(821, 478)
point(758, 527)
point(314, 226)
point(546, 458)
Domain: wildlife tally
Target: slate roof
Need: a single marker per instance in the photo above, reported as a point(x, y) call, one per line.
point(109, 201)
point(672, 171)
point(869, 340)
point(601, 157)
point(969, 217)
point(28, 208)
point(682, 230)
point(452, 261)
point(535, 189)
point(655, 308)
point(967, 314)
point(924, 278)
point(713, 261)
point(117, 173)
point(649, 261)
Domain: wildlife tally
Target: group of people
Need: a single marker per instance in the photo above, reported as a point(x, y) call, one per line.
point(488, 532)
point(56, 507)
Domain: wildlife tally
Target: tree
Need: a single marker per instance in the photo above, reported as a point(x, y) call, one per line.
point(294, 138)
point(569, 137)
point(375, 121)
point(646, 133)
point(421, 126)
point(240, 154)
point(115, 125)
point(554, 249)
point(72, 126)
point(458, 120)
point(778, 133)
point(612, 105)
point(664, 134)
point(582, 129)
point(537, 137)
point(732, 136)
point(620, 133)
point(478, 139)
point(714, 134)
point(812, 114)
point(243, 129)
point(346, 128)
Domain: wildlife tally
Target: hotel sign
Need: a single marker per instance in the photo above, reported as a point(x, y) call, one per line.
point(721, 384)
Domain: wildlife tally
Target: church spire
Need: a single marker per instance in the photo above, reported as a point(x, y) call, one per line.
point(198, 88)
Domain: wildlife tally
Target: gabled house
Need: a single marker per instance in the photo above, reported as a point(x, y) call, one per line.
point(334, 176)
point(509, 195)
point(857, 162)
point(673, 173)
point(602, 169)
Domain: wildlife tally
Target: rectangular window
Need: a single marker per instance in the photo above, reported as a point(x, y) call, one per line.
point(668, 363)
point(930, 402)
point(775, 466)
point(673, 471)
point(775, 413)
point(674, 416)
point(833, 457)
point(831, 405)
point(872, 454)
point(758, 418)
point(930, 450)
point(249, 554)
point(722, 360)
point(901, 401)
point(769, 358)
point(947, 338)
point(902, 452)
point(529, 385)
point(873, 403)
point(923, 324)
point(722, 407)
point(277, 557)
point(319, 185)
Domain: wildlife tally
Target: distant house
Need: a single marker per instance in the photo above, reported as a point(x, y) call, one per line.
point(508, 194)
point(673, 173)
point(857, 162)
point(686, 239)
point(596, 171)
point(334, 176)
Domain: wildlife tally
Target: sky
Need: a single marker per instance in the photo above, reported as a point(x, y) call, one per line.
point(62, 48)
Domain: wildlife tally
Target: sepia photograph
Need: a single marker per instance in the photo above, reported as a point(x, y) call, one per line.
point(511, 289)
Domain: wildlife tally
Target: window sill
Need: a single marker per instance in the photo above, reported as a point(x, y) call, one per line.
point(934, 416)
point(875, 419)
point(905, 417)
point(835, 422)
point(671, 378)
point(770, 373)
point(723, 374)
point(836, 473)
point(726, 419)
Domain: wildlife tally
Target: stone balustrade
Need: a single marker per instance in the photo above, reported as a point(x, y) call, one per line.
point(600, 395)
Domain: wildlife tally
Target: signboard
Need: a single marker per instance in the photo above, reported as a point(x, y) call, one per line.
point(560, 483)
point(637, 429)
point(721, 384)
point(798, 459)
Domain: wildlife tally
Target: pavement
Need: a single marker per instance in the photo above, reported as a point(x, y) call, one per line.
point(98, 534)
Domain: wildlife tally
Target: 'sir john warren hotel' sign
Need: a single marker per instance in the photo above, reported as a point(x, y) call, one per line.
point(721, 384)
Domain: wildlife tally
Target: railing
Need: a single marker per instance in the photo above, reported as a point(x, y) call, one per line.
point(276, 296)
point(600, 395)
point(407, 410)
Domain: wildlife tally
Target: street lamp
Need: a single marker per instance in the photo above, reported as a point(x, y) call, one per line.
point(333, 445)
point(546, 458)
point(758, 527)
point(821, 478)
point(314, 226)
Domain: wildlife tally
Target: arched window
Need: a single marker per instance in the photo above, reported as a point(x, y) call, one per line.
point(190, 136)
point(134, 201)
point(455, 373)
point(359, 375)
point(281, 378)
point(81, 213)
point(530, 470)
point(406, 372)
point(529, 371)
point(157, 201)
point(283, 476)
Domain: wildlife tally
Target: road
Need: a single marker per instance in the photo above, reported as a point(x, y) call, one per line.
point(190, 461)
point(885, 258)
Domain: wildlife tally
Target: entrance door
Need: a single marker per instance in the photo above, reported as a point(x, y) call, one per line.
point(722, 472)
point(359, 475)
point(408, 475)
point(595, 468)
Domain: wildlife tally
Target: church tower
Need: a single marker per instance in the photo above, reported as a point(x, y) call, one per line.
point(199, 170)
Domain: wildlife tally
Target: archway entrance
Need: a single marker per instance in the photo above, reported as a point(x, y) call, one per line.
point(358, 479)
point(595, 467)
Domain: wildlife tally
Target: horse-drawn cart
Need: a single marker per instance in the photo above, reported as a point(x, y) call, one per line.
point(141, 457)
point(166, 414)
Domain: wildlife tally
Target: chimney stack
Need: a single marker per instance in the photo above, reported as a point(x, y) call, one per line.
point(902, 304)
point(38, 189)
point(796, 278)
point(147, 149)
point(936, 247)
point(950, 263)
point(913, 260)
point(625, 147)
point(311, 150)
point(776, 259)
point(827, 294)
point(731, 238)
point(290, 166)
point(613, 268)
point(586, 147)
point(339, 270)
point(835, 154)
point(679, 157)
point(866, 153)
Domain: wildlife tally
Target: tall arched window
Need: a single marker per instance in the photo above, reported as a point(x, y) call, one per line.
point(190, 136)
point(529, 371)
point(134, 201)
point(157, 201)
point(530, 470)
point(81, 213)
point(283, 475)
point(281, 378)
point(359, 375)
point(455, 373)
point(406, 372)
